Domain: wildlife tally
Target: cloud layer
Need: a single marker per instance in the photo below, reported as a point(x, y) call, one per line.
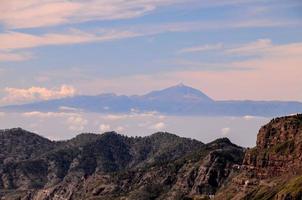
point(18, 95)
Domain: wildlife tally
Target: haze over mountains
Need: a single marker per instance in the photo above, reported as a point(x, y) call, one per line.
point(175, 100)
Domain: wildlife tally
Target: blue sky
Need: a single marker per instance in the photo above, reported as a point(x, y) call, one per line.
point(230, 49)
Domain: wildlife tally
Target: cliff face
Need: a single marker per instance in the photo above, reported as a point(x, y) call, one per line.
point(279, 148)
point(112, 166)
point(272, 169)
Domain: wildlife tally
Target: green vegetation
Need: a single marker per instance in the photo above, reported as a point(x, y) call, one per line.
point(292, 189)
point(263, 193)
point(285, 147)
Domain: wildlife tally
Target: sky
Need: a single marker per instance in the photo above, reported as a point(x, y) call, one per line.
point(229, 49)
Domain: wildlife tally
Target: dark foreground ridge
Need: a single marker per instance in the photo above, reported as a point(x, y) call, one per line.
point(160, 166)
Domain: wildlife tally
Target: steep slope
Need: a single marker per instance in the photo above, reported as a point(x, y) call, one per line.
point(193, 176)
point(279, 147)
point(273, 169)
point(18, 144)
point(112, 166)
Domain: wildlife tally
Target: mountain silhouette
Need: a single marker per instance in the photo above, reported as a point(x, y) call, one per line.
point(176, 100)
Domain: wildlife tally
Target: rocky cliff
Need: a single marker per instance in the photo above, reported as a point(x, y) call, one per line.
point(279, 147)
point(272, 169)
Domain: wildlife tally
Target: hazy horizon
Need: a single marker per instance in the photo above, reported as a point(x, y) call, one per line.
point(61, 126)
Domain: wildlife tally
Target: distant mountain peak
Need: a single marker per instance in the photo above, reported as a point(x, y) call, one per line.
point(181, 84)
point(179, 91)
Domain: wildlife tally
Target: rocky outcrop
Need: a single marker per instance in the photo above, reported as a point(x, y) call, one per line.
point(272, 169)
point(279, 148)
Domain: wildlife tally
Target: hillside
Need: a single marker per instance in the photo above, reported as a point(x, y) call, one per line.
point(160, 166)
point(112, 166)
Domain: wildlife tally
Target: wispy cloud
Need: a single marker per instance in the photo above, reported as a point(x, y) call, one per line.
point(74, 121)
point(262, 47)
point(36, 13)
point(12, 42)
point(209, 66)
point(207, 47)
point(14, 57)
point(115, 117)
point(17, 40)
point(256, 47)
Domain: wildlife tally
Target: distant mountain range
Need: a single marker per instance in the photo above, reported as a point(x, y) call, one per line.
point(175, 100)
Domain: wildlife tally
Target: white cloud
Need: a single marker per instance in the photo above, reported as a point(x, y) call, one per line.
point(158, 126)
point(120, 129)
point(115, 117)
point(45, 114)
point(18, 95)
point(106, 108)
point(70, 109)
point(104, 127)
point(76, 123)
point(134, 110)
point(248, 117)
point(225, 131)
point(207, 47)
point(39, 114)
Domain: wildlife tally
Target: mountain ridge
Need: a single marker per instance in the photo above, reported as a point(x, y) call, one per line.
point(176, 100)
point(110, 165)
point(160, 166)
